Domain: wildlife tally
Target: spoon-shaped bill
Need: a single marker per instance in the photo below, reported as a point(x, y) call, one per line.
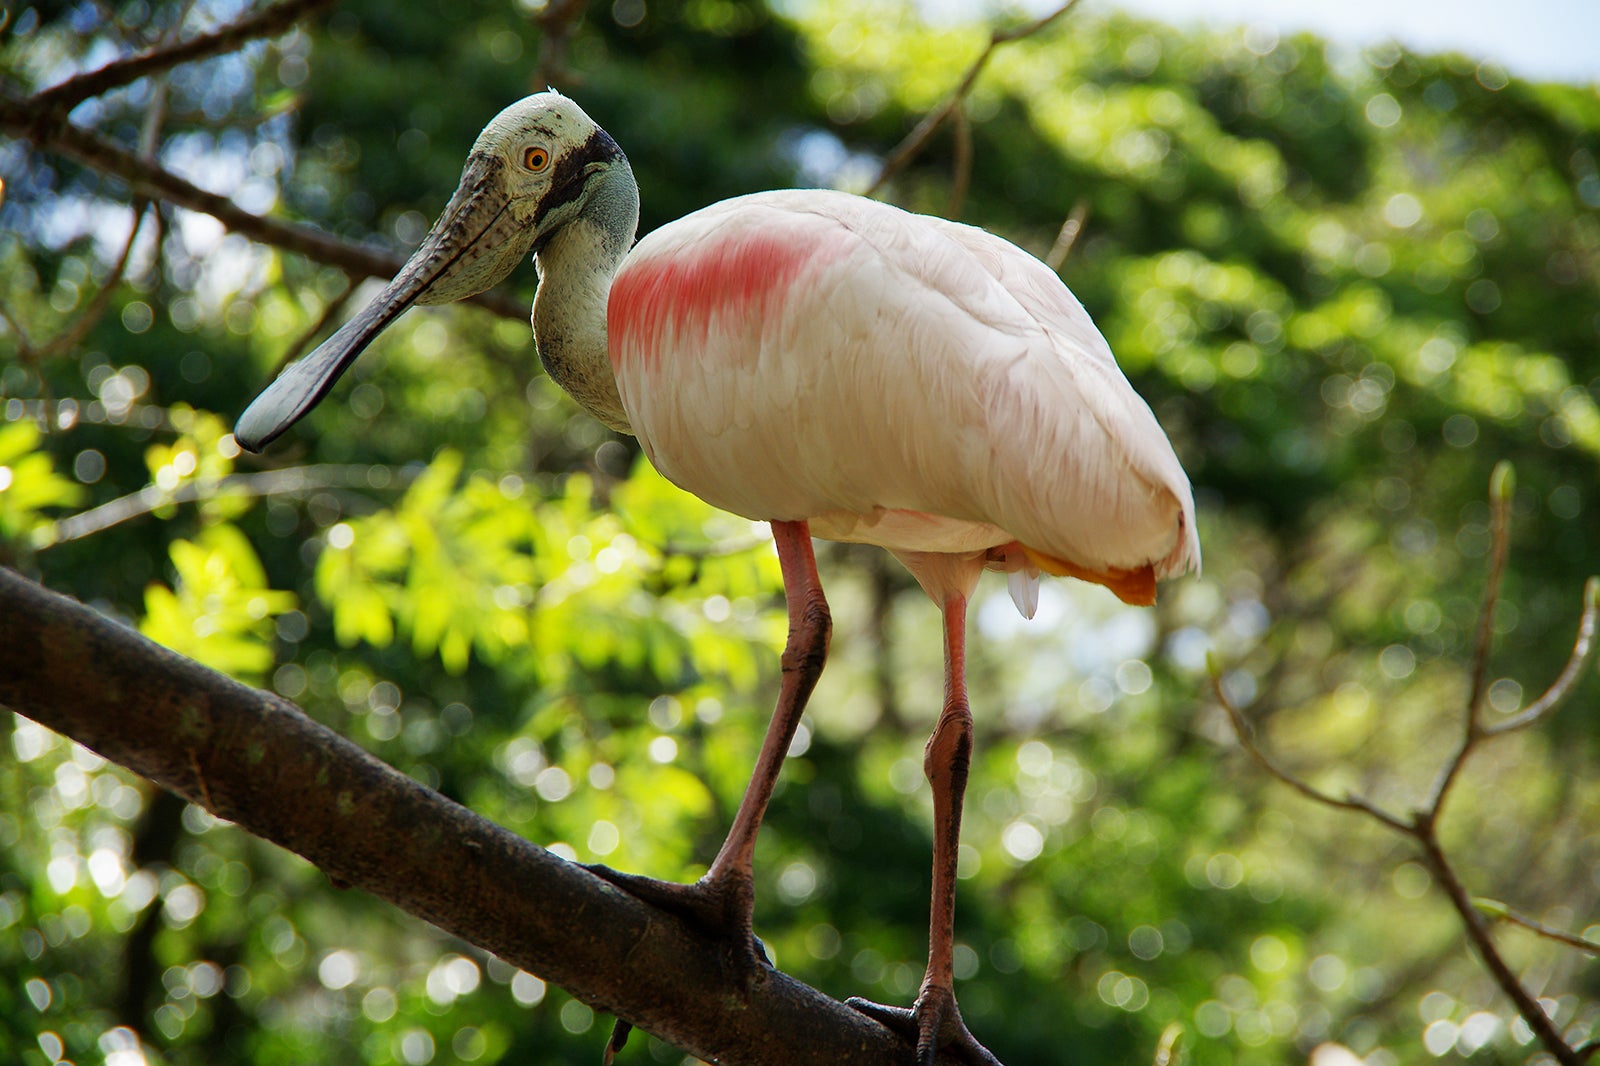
point(474, 244)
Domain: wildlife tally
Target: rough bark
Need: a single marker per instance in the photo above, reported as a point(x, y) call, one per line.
point(256, 760)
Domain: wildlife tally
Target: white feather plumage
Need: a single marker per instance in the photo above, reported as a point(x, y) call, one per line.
point(910, 382)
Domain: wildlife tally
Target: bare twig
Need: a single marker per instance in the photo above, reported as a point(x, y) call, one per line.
point(1499, 912)
point(302, 342)
point(69, 338)
point(291, 481)
point(1247, 740)
point(557, 23)
point(915, 141)
point(1477, 929)
point(1071, 230)
point(1422, 828)
point(60, 99)
point(1562, 686)
point(1502, 484)
point(66, 413)
point(961, 168)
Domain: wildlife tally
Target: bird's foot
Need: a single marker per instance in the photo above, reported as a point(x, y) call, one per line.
point(934, 1023)
point(618, 1040)
point(723, 908)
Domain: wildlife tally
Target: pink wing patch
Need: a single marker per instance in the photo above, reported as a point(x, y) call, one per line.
point(686, 290)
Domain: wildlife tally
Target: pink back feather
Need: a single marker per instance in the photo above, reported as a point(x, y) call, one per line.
point(891, 378)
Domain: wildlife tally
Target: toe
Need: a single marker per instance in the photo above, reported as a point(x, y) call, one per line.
point(934, 1024)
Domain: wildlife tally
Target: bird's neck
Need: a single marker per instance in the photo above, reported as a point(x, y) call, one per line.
point(576, 266)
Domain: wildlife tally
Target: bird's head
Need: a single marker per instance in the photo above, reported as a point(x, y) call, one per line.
point(534, 169)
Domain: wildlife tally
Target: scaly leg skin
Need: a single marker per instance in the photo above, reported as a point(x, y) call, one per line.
point(722, 902)
point(935, 1021)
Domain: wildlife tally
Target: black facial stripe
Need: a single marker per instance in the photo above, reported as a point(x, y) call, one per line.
point(566, 184)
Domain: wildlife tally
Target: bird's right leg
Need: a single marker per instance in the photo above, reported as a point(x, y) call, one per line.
point(723, 900)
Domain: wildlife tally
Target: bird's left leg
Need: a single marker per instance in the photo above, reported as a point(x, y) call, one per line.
point(723, 901)
point(935, 1020)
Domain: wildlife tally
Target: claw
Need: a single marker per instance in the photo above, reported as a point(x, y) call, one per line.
point(722, 909)
point(619, 1037)
point(934, 1023)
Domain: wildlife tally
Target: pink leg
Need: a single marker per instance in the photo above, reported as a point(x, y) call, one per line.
point(803, 655)
point(724, 898)
point(935, 1020)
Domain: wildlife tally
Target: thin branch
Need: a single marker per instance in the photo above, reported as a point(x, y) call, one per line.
point(1071, 230)
point(1564, 683)
point(1247, 740)
point(1477, 927)
point(256, 760)
point(150, 179)
point(915, 141)
point(1501, 913)
point(66, 413)
point(98, 305)
point(60, 99)
point(557, 23)
point(302, 342)
point(291, 481)
point(1167, 1049)
point(1501, 486)
point(961, 168)
point(1423, 828)
point(1422, 831)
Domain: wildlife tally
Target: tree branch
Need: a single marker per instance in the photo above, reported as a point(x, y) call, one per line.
point(1071, 230)
point(1423, 826)
point(915, 141)
point(289, 481)
point(258, 761)
point(146, 178)
point(1494, 909)
point(557, 23)
point(60, 99)
point(1562, 686)
point(1247, 740)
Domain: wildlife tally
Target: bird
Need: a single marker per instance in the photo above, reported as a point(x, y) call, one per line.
point(839, 368)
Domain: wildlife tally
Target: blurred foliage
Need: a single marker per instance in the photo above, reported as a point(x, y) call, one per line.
point(1349, 283)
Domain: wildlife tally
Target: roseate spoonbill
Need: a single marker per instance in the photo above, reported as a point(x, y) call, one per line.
point(839, 368)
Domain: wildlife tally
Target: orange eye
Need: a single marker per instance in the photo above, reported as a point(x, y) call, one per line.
point(535, 159)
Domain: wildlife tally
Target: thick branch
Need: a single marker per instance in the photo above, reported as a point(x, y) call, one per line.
point(146, 178)
point(256, 760)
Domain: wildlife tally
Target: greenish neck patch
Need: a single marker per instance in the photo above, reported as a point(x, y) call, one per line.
point(576, 265)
